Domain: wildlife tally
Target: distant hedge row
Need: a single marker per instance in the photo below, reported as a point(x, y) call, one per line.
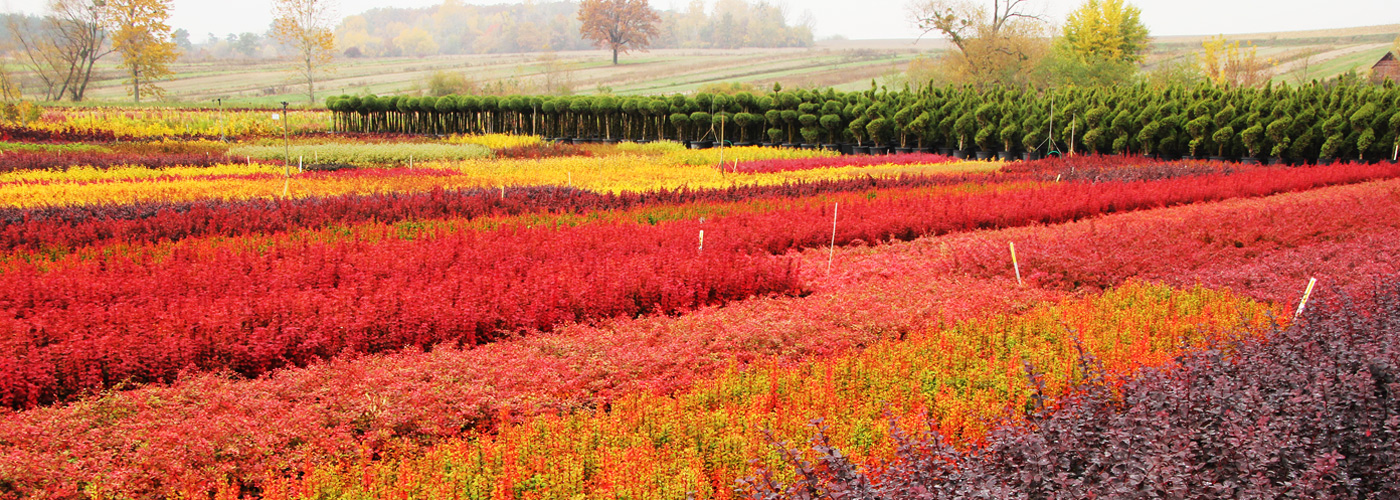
point(1303, 122)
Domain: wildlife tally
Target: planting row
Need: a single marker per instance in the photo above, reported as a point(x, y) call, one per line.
point(54, 230)
point(72, 226)
point(90, 324)
point(1304, 122)
point(1302, 412)
point(960, 381)
point(611, 174)
point(327, 423)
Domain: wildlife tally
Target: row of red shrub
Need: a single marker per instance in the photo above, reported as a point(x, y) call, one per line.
point(302, 418)
point(76, 226)
point(89, 325)
point(789, 165)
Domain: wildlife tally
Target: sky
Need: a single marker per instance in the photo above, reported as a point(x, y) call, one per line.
point(874, 19)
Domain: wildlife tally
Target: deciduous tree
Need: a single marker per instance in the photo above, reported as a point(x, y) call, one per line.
point(994, 46)
point(1106, 30)
point(619, 25)
point(1227, 62)
point(305, 25)
point(63, 47)
point(142, 37)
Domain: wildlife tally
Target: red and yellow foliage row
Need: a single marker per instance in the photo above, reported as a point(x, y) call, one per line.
point(84, 325)
point(91, 325)
point(68, 227)
point(316, 422)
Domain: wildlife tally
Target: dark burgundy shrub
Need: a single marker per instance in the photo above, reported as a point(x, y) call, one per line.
point(1310, 411)
point(24, 160)
point(541, 150)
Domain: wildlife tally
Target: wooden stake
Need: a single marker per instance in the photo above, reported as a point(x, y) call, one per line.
point(1016, 264)
point(832, 254)
point(503, 191)
point(571, 179)
point(1306, 294)
point(299, 166)
point(702, 240)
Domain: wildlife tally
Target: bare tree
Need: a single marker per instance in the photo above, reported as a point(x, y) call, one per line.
point(995, 45)
point(64, 46)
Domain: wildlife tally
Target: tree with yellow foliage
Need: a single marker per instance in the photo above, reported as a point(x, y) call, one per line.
point(1106, 30)
point(1226, 62)
point(305, 25)
point(142, 37)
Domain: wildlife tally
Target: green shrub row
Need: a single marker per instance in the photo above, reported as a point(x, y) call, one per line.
point(1317, 120)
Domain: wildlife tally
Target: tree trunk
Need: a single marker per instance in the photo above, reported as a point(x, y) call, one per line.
point(136, 85)
point(614, 57)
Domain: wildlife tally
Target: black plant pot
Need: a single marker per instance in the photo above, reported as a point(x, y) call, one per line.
point(702, 144)
point(807, 146)
point(878, 150)
point(1326, 160)
point(1003, 155)
point(903, 151)
point(984, 155)
point(769, 144)
point(1216, 158)
point(831, 147)
point(860, 150)
point(1030, 156)
point(1249, 160)
point(926, 151)
point(744, 144)
point(960, 154)
point(945, 151)
point(1276, 161)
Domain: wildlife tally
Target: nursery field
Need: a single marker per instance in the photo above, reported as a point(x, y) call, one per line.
point(492, 303)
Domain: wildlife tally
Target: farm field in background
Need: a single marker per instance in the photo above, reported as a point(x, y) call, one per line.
point(843, 64)
point(472, 300)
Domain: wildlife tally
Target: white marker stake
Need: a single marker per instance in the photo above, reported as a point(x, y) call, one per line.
point(571, 179)
point(1017, 265)
point(503, 192)
point(410, 161)
point(1306, 294)
point(832, 254)
point(702, 240)
point(299, 166)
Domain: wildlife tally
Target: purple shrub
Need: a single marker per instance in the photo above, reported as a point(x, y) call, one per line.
point(1308, 411)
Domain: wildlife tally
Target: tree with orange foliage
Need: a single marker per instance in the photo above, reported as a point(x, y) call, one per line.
point(143, 39)
point(620, 25)
point(305, 25)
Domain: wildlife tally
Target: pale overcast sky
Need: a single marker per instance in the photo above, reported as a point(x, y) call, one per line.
point(864, 19)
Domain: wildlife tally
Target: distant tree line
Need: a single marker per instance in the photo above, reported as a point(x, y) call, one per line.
point(456, 28)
